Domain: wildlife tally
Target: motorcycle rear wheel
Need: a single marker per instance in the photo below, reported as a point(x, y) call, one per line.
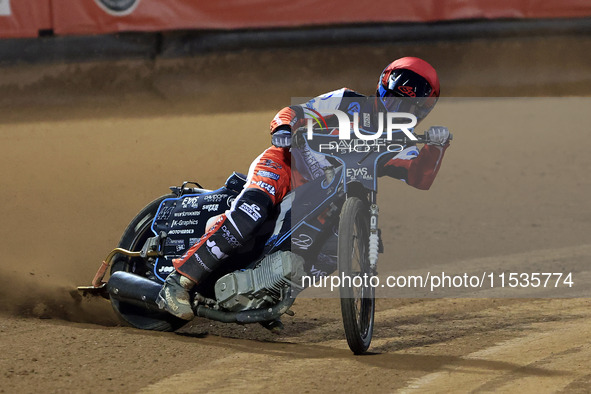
point(357, 302)
point(133, 238)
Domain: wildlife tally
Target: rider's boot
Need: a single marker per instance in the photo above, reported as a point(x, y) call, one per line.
point(174, 296)
point(231, 231)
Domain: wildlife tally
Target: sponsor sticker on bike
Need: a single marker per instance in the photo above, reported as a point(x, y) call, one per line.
point(359, 173)
point(184, 223)
point(165, 269)
point(210, 207)
point(181, 231)
point(214, 197)
point(186, 213)
point(178, 244)
point(190, 202)
point(302, 241)
point(164, 213)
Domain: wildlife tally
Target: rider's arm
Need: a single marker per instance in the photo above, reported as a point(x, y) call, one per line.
point(418, 169)
point(295, 116)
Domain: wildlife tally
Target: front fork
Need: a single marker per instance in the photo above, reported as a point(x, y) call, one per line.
point(374, 234)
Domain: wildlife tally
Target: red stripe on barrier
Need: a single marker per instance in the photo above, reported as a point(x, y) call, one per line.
point(108, 16)
point(94, 16)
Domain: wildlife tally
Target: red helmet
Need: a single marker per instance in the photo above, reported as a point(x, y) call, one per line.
point(409, 84)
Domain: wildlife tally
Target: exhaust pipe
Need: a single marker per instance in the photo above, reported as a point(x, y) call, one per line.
point(248, 316)
point(134, 289)
point(138, 291)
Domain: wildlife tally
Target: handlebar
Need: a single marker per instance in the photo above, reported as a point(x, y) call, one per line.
point(421, 139)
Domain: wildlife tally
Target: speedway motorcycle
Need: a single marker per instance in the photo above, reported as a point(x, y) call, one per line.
point(256, 284)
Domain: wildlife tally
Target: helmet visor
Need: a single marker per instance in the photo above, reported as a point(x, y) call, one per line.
point(418, 106)
point(407, 91)
point(407, 83)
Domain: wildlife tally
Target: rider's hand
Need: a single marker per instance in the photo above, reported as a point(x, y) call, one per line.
point(437, 135)
point(281, 138)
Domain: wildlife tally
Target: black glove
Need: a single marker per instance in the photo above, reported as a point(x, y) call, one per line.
point(281, 138)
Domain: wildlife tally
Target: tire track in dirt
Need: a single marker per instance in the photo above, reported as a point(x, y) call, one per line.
point(518, 353)
point(561, 350)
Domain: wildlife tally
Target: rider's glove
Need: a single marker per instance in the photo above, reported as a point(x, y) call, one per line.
point(437, 135)
point(281, 138)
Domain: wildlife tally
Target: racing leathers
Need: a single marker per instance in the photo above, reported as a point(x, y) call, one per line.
point(271, 177)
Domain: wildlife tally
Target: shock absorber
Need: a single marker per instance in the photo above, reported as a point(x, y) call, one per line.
point(374, 237)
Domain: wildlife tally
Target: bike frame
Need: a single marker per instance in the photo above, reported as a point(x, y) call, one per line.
point(357, 164)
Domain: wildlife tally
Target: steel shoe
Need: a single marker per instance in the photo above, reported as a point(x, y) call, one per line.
point(174, 296)
point(275, 326)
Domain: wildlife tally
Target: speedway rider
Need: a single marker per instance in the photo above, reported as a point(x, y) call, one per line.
point(407, 85)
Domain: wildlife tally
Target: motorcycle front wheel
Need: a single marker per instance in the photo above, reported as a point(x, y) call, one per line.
point(134, 237)
point(357, 295)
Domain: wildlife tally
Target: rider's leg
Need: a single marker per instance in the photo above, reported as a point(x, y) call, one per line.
point(268, 182)
point(232, 230)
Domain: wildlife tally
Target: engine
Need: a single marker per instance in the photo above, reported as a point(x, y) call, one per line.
point(262, 286)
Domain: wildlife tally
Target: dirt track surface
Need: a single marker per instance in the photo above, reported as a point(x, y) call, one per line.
point(80, 159)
